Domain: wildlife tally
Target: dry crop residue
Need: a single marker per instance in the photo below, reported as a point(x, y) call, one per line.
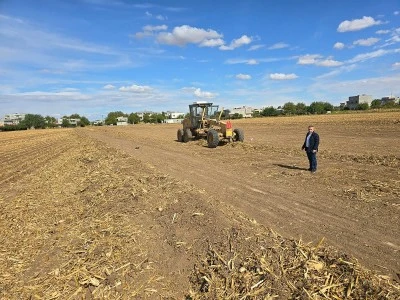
point(113, 219)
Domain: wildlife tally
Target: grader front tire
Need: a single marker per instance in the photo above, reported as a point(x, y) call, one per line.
point(238, 135)
point(212, 138)
point(180, 135)
point(187, 135)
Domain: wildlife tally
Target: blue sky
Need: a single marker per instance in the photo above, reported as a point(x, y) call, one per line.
point(92, 57)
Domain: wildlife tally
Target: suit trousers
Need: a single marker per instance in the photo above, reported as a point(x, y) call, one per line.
point(312, 158)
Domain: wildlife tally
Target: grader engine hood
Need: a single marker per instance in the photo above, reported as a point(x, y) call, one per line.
point(225, 127)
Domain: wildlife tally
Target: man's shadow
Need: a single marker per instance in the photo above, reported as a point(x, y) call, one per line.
point(291, 167)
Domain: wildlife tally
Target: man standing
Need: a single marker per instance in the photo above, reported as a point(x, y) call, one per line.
point(310, 145)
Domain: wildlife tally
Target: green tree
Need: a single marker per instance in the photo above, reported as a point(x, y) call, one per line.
point(301, 108)
point(376, 103)
point(270, 111)
point(133, 118)
point(160, 118)
point(236, 116)
point(83, 121)
point(146, 118)
point(65, 123)
point(363, 106)
point(319, 107)
point(289, 108)
point(33, 121)
point(51, 122)
point(111, 118)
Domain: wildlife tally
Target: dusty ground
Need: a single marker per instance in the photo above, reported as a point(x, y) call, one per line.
point(128, 212)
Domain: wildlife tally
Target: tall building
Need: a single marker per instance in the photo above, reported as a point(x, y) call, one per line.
point(355, 101)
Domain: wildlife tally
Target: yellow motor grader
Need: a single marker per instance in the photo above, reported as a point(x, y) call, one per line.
point(205, 122)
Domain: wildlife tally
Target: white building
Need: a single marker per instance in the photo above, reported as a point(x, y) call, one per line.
point(245, 111)
point(355, 101)
point(174, 115)
point(71, 121)
point(122, 121)
point(173, 121)
point(13, 119)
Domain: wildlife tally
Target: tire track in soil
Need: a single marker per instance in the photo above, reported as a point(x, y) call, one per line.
point(292, 212)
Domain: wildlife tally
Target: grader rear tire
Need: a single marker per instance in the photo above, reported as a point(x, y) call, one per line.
point(180, 135)
point(212, 138)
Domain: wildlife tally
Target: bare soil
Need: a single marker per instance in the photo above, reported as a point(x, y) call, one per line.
point(128, 212)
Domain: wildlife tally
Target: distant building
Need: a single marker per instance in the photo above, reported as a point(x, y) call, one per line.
point(98, 122)
point(390, 99)
point(245, 111)
point(141, 114)
point(122, 121)
point(174, 115)
point(13, 119)
point(355, 101)
point(73, 122)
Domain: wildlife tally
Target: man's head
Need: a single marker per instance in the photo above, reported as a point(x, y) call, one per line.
point(310, 128)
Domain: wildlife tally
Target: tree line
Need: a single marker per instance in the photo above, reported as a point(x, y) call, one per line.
point(289, 108)
point(134, 118)
point(36, 121)
point(317, 107)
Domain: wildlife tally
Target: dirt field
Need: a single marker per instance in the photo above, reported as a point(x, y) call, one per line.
point(129, 212)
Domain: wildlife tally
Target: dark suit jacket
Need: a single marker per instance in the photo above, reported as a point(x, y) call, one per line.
point(314, 142)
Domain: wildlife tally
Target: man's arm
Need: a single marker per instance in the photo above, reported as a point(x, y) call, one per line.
point(316, 141)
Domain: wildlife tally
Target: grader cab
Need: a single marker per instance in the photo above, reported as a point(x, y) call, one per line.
point(205, 122)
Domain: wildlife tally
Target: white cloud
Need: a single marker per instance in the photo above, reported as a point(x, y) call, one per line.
point(252, 62)
point(200, 94)
point(394, 39)
point(243, 40)
point(328, 63)
point(338, 46)
point(278, 46)
point(243, 76)
point(366, 42)
point(256, 47)
point(155, 28)
point(375, 86)
point(396, 13)
point(308, 59)
point(369, 55)
point(135, 88)
point(109, 87)
point(242, 61)
point(149, 30)
point(316, 59)
point(281, 76)
point(382, 31)
point(357, 24)
point(185, 34)
point(337, 71)
point(396, 65)
point(212, 43)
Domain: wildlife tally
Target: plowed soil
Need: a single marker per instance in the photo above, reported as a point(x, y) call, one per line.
point(123, 212)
